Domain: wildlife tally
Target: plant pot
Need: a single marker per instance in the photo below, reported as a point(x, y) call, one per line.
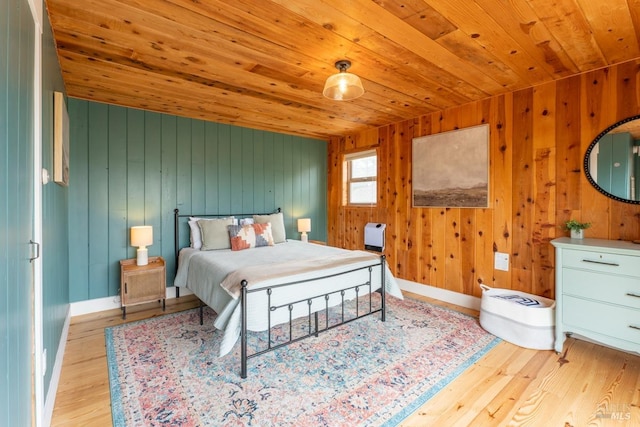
point(577, 234)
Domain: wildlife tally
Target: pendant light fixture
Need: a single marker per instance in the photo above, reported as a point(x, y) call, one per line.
point(343, 86)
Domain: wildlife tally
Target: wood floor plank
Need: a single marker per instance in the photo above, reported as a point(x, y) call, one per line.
point(510, 386)
point(83, 397)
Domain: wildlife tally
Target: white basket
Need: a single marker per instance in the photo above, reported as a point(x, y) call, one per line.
point(520, 318)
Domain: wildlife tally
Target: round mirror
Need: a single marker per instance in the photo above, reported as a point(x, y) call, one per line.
point(612, 161)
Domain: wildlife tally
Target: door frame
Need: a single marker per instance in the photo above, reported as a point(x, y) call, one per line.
point(38, 362)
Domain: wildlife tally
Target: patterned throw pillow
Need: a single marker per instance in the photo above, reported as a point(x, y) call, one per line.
point(250, 236)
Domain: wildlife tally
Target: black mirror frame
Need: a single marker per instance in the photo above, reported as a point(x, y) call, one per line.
point(588, 154)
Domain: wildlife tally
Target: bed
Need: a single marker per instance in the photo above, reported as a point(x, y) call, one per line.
point(303, 288)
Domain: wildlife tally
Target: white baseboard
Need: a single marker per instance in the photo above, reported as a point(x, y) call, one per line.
point(109, 303)
point(56, 371)
point(451, 297)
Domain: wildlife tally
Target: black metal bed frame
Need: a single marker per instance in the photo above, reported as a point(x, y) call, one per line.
point(312, 325)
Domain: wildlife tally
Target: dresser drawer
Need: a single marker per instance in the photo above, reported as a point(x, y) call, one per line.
point(602, 262)
point(614, 321)
point(621, 290)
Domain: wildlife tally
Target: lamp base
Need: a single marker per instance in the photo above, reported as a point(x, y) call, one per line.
point(143, 256)
point(304, 237)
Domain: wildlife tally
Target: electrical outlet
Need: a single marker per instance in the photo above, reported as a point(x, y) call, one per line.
point(501, 261)
point(44, 362)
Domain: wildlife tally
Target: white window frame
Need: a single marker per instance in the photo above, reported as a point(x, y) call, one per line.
point(348, 180)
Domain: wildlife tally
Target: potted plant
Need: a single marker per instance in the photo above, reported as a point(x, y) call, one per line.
point(576, 228)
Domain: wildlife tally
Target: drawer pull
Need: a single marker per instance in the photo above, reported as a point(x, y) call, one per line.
point(633, 295)
point(613, 264)
point(634, 327)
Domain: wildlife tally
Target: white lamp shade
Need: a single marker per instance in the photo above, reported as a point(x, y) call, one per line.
point(304, 225)
point(343, 87)
point(142, 235)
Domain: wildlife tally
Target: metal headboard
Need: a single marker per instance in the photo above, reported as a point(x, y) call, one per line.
point(176, 229)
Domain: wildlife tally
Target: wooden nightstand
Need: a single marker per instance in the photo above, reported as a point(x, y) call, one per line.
point(140, 284)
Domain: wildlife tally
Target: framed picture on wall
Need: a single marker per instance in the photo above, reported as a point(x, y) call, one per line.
point(60, 140)
point(451, 169)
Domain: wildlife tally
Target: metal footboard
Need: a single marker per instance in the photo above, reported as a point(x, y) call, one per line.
point(313, 328)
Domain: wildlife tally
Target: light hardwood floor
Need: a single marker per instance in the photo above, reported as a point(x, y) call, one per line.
point(589, 385)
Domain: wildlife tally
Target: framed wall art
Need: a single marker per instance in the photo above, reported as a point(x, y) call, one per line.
point(60, 140)
point(451, 169)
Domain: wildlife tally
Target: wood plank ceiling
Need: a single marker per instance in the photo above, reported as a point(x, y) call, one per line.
point(262, 63)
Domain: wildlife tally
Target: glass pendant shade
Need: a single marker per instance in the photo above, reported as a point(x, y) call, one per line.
point(343, 86)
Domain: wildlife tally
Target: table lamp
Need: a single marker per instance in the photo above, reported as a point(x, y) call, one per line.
point(142, 236)
point(304, 226)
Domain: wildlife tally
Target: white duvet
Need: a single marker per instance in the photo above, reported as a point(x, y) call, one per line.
point(203, 272)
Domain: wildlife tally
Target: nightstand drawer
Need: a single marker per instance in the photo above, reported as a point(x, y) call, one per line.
point(599, 286)
point(602, 262)
point(615, 321)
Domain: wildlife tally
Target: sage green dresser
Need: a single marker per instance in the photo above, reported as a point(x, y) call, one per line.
point(598, 292)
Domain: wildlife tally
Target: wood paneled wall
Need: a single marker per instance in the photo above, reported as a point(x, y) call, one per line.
point(17, 123)
point(55, 217)
point(538, 140)
point(132, 167)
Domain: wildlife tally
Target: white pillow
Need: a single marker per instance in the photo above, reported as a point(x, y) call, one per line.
point(277, 225)
point(246, 221)
point(195, 237)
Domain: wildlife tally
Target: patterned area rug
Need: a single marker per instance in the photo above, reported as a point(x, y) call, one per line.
point(165, 370)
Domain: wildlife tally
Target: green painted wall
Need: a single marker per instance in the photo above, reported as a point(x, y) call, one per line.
point(55, 238)
point(17, 51)
point(130, 167)
point(615, 164)
point(636, 169)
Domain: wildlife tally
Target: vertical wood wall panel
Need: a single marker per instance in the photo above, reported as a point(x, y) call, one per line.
point(522, 201)
point(597, 90)
point(235, 173)
point(152, 175)
point(6, 399)
point(544, 113)
point(198, 168)
point(269, 170)
point(258, 179)
point(218, 180)
point(98, 200)
point(118, 236)
point(538, 140)
point(134, 167)
point(183, 163)
point(626, 217)
point(163, 241)
point(79, 216)
point(246, 177)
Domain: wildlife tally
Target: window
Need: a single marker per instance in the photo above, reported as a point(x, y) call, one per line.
point(361, 178)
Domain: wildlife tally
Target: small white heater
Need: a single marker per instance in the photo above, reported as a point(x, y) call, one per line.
point(374, 236)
